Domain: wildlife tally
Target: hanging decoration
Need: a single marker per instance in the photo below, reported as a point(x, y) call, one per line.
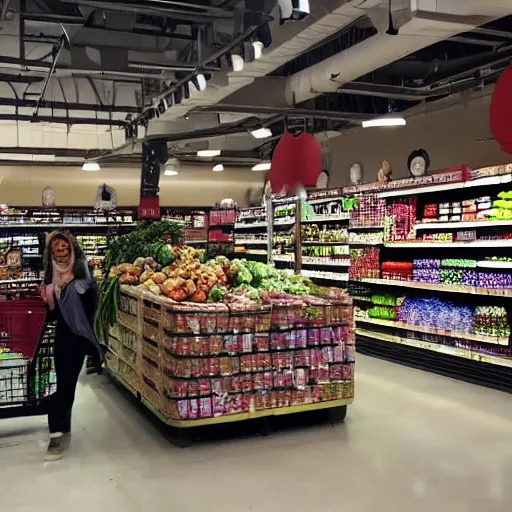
point(501, 111)
point(296, 163)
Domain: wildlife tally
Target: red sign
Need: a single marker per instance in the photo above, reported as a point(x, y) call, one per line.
point(149, 208)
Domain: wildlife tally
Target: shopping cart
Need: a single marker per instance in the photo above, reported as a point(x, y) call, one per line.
point(27, 376)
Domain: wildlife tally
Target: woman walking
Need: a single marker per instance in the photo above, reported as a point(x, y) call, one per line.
point(71, 297)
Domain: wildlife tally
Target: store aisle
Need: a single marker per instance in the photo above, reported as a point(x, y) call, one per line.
point(412, 442)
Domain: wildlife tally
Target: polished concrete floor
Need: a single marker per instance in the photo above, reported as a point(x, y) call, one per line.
point(412, 442)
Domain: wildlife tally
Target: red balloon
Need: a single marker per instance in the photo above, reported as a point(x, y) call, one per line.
point(297, 161)
point(501, 111)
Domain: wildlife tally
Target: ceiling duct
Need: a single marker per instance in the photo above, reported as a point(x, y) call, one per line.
point(420, 23)
point(327, 18)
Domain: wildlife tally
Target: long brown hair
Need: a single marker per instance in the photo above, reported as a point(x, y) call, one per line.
point(78, 270)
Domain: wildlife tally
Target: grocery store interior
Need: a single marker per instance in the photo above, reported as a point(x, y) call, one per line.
point(279, 255)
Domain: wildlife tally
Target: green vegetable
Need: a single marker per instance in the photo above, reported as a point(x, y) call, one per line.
point(243, 275)
point(140, 242)
point(106, 316)
point(217, 293)
point(165, 255)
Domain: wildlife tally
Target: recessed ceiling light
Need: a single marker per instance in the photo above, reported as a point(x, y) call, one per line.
point(264, 166)
point(208, 153)
point(91, 167)
point(384, 121)
point(218, 168)
point(170, 172)
point(261, 133)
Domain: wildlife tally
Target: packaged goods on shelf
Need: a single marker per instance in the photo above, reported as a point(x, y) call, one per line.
point(365, 263)
point(491, 321)
point(366, 238)
point(400, 270)
point(369, 212)
point(402, 213)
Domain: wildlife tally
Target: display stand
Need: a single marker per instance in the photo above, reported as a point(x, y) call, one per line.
point(198, 365)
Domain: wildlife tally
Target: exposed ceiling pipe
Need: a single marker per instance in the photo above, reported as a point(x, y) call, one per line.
point(414, 93)
point(288, 112)
point(56, 51)
point(418, 29)
point(202, 15)
point(438, 70)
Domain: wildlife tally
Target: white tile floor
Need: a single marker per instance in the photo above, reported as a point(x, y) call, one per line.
point(413, 442)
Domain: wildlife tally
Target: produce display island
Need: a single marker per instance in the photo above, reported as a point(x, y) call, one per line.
point(203, 341)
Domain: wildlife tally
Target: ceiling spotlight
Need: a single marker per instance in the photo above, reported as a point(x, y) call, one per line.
point(172, 167)
point(208, 153)
point(261, 133)
point(384, 121)
point(264, 166)
point(237, 62)
point(91, 167)
point(258, 49)
point(218, 168)
point(163, 106)
point(199, 82)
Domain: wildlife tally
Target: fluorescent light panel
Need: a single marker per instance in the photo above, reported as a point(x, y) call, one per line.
point(27, 157)
point(170, 172)
point(264, 166)
point(261, 133)
point(208, 153)
point(384, 121)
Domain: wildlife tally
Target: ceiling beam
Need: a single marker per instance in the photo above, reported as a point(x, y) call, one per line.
point(62, 120)
point(63, 105)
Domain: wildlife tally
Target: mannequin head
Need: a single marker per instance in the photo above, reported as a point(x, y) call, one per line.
point(418, 163)
point(356, 173)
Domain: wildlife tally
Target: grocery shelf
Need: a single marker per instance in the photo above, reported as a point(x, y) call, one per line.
point(435, 347)
point(328, 263)
point(71, 226)
point(312, 242)
point(463, 224)
point(251, 226)
point(507, 242)
point(278, 257)
point(328, 276)
point(494, 264)
point(321, 218)
point(453, 288)
point(324, 200)
point(251, 242)
point(195, 242)
point(480, 182)
point(495, 340)
point(363, 228)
